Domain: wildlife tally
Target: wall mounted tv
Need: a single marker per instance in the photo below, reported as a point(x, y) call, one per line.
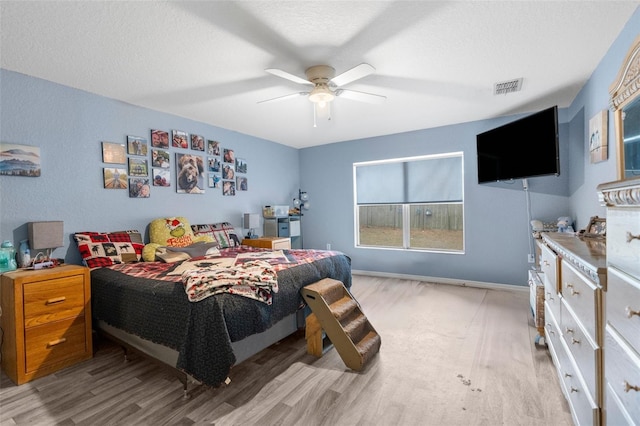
point(524, 148)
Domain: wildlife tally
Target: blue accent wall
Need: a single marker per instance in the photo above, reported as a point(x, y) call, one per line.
point(69, 125)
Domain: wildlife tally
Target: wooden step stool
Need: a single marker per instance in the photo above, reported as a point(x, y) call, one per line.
point(337, 315)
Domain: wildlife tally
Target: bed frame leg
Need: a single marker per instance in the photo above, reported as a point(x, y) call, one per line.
point(185, 385)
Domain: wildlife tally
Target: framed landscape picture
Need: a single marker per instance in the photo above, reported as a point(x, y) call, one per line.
point(19, 160)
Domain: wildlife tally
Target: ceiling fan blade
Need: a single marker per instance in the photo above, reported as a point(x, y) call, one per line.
point(353, 74)
point(354, 95)
point(285, 97)
point(283, 74)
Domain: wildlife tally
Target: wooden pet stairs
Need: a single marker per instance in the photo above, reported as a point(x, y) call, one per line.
point(336, 315)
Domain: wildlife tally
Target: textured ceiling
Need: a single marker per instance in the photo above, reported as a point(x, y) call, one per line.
point(436, 62)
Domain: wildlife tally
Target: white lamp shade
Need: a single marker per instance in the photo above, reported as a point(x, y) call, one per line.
point(46, 235)
point(251, 221)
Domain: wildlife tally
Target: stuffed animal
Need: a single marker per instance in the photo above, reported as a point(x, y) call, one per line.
point(172, 232)
point(565, 224)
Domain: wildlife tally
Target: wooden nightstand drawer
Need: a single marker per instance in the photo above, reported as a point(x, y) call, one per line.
point(46, 320)
point(273, 243)
point(52, 300)
point(53, 343)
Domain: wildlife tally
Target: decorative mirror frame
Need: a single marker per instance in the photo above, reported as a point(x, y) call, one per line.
point(624, 90)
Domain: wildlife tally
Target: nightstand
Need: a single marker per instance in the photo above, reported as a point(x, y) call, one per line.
point(46, 320)
point(273, 243)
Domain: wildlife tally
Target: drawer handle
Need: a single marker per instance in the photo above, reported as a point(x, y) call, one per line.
point(574, 389)
point(56, 342)
point(573, 291)
point(545, 263)
point(575, 341)
point(550, 330)
point(567, 375)
point(568, 330)
point(631, 237)
point(630, 312)
point(549, 296)
point(55, 300)
point(628, 387)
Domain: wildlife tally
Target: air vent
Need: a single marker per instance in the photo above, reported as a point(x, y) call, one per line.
point(505, 87)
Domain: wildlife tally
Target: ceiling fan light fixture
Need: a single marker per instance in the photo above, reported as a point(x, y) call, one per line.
point(321, 94)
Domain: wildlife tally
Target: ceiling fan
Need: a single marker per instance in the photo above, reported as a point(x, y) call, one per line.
point(327, 86)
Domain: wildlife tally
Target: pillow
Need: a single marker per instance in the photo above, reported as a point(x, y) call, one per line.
point(100, 249)
point(222, 232)
point(170, 231)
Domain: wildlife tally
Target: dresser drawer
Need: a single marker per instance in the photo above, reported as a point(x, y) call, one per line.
point(52, 343)
point(583, 408)
point(614, 412)
point(623, 252)
point(622, 370)
point(52, 300)
point(584, 350)
point(551, 299)
point(583, 298)
point(623, 306)
point(549, 266)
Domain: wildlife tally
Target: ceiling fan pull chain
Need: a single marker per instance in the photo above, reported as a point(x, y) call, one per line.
point(329, 111)
point(314, 115)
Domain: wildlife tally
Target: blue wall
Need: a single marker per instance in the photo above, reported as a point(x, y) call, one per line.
point(496, 223)
point(69, 126)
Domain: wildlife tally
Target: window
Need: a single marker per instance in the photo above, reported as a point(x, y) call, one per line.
point(410, 203)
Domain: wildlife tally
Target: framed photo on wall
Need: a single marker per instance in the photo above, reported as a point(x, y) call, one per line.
point(136, 145)
point(159, 139)
point(114, 178)
point(138, 167)
point(180, 139)
point(113, 153)
point(189, 174)
point(213, 147)
point(197, 142)
point(598, 146)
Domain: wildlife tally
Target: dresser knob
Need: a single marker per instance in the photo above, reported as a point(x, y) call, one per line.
point(630, 312)
point(549, 296)
point(568, 330)
point(575, 341)
point(631, 237)
point(628, 387)
point(567, 375)
point(573, 389)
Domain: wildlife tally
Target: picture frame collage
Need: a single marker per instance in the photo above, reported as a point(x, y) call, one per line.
point(197, 163)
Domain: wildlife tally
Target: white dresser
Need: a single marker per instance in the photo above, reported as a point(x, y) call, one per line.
point(574, 275)
point(622, 305)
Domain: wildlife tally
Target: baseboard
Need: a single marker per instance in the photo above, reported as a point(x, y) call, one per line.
point(440, 280)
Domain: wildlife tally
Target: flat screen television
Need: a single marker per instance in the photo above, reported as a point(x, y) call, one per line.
point(524, 148)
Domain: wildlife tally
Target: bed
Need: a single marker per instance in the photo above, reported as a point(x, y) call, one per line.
point(144, 305)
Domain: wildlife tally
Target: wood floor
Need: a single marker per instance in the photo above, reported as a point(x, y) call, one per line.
point(450, 356)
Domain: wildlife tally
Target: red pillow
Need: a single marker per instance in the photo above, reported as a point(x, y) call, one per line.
point(100, 249)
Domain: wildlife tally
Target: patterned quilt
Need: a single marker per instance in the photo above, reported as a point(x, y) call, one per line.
point(148, 299)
